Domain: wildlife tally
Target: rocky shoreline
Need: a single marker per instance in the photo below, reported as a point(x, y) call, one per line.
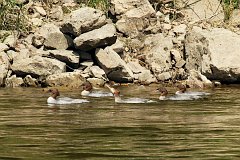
point(138, 44)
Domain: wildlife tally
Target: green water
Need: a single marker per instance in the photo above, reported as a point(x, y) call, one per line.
point(102, 130)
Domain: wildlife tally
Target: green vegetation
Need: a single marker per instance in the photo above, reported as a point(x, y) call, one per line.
point(98, 4)
point(228, 7)
point(12, 16)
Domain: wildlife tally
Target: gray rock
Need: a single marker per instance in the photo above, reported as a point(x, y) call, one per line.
point(40, 10)
point(103, 36)
point(214, 53)
point(71, 58)
point(4, 67)
point(203, 9)
point(38, 66)
point(83, 20)
point(67, 79)
point(3, 47)
point(96, 82)
point(177, 57)
point(197, 80)
point(141, 74)
point(134, 15)
point(36, 22)
point(22, 54)
point(56, 13)
point(14, 81)
point(118, 46)
point(87, 64)
point(180, 29)
point(98, 72)
point(48, 35)
point(164, 76)
point(131, 7)
point(115, 68)
point(9, 38)
point(157, 50)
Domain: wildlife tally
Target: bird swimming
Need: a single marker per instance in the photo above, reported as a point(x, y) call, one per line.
point(88, 91)
point(53, 99)
point(180, 96)
point(118, 99)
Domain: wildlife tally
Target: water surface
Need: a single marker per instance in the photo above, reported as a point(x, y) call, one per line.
point(207, 128)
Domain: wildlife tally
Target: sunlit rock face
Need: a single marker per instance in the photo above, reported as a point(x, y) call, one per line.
point(67, 79)
point(115, 68)
point(38, 66)
point(214, 53)
point(104, 36)
point(51, 37)
point(4, 67)
point(83, 20)
point(157, 55)
point(132, 16)
point(200, 10)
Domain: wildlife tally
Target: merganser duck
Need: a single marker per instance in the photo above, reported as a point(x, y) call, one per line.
point(87, 91)
point(53, 99)
point(118, 98)
point(163, 93)
point(177, 97)
point(87, 88)
point(183, 91)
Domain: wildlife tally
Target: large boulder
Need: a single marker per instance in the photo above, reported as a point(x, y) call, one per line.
point(83, 20)
point(214, 53)
point(133, 15)
point(97, 72)
point(103, 36)
point(115, 68)
point(120, 7)
point(141, 74)
point(4, 67)
point(51, 37)
point(202, 10)
point(71, 58)
point(197, 80)
point(37, 66)
point(157, 50)
point(67, 79)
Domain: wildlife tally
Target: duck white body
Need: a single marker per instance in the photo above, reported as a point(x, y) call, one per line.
point(64, 100)
point(181, 95)
point(118, 98)
point(96, 94)
point(51, 100)
point(85, 93)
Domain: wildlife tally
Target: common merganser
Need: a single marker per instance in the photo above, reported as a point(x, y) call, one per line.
point(163, 93)
point(177, 97)
point(87, 91)
point(54, 94)
point(87, 88)
point(183, 91)
point(53, 99)
point(118, 98)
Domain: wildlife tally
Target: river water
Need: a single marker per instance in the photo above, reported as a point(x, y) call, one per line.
point(206, 128)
